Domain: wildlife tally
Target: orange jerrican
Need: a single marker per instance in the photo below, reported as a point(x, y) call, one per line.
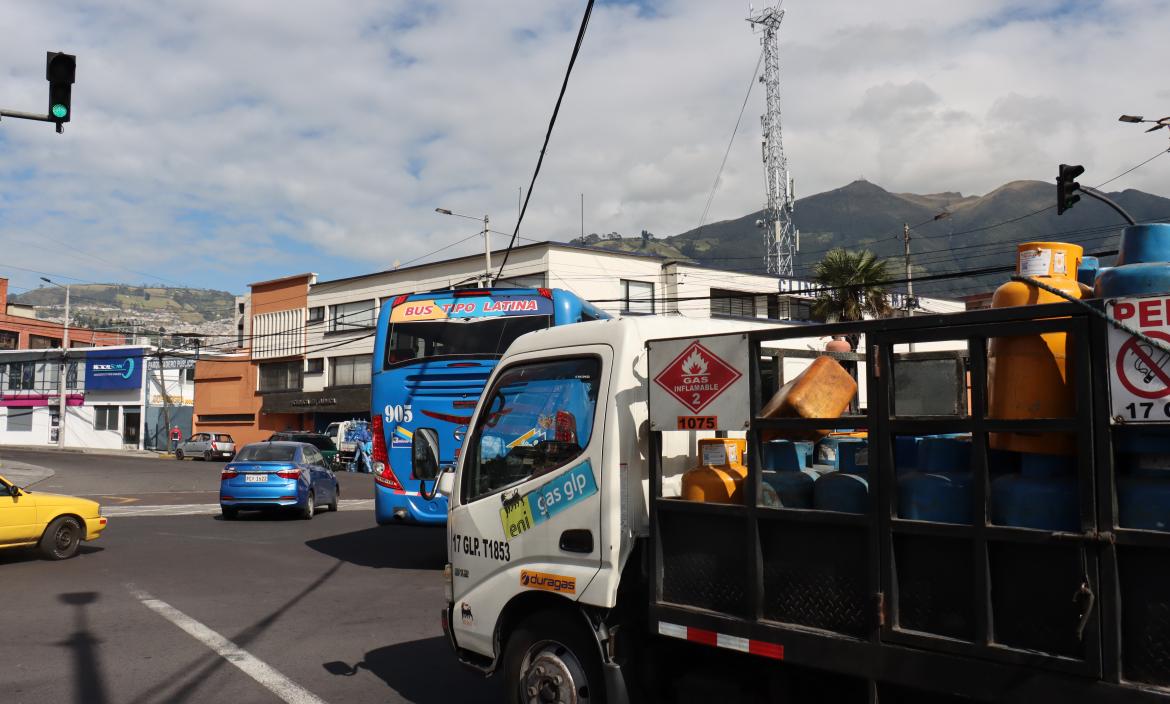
point(1028, 375)
point(823, 390)
point(720, 474)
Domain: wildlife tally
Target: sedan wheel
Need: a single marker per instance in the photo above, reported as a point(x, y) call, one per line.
point(310, 507)
point(179, 455)
point(207, 455)
point(61, 538)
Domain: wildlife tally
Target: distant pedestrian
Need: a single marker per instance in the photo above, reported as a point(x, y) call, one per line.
point(176, 437)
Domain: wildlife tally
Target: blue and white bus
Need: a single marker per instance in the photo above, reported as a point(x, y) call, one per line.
point(432, 357)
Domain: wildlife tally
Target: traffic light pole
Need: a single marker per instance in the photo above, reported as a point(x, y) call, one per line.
point(60, 72)
point(1108, 201)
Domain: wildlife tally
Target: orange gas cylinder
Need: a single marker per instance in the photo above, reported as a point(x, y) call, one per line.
point(1028, 375)
point(720, 474)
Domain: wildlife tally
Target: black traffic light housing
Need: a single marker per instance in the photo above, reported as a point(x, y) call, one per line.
point(60, 70)
point(1066, 187)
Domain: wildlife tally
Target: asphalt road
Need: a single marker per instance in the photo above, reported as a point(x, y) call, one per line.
point(196, 609)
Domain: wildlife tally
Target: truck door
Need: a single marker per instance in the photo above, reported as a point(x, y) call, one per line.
point(526, 511)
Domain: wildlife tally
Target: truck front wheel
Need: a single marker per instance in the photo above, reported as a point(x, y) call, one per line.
point(552, 658)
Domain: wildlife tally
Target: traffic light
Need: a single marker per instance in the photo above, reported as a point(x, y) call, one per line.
point(1066, 187)
point(59, 72)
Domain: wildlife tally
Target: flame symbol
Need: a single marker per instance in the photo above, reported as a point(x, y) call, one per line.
point(694, 365)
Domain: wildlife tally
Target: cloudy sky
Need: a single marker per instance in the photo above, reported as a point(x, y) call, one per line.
point(220, 142)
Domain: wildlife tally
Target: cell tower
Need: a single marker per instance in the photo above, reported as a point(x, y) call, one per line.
point(780, 236)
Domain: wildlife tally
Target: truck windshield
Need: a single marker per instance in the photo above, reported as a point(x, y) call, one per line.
point(539, 418)
point(452, 337)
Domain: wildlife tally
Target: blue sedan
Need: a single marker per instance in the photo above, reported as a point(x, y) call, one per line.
point(267, 475)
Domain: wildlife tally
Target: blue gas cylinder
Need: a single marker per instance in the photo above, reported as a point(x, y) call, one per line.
point(906, 452)
point(853, 457)
point(1143, 263)
point(1143, 498)
point(793, 489)
point(943, 497)
point(1042, 496)
point(1087, 271)
point(827, 449)
point(944, 454)
point(787, 455)
point(841, 491)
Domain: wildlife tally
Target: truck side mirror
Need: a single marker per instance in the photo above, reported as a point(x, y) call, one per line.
point(424, 454)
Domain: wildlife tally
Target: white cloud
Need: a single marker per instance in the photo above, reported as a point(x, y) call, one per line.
point(221, 142)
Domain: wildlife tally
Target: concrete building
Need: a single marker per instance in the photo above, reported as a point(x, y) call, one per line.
point(310, 342)
point(20, 329)
point(111, 393)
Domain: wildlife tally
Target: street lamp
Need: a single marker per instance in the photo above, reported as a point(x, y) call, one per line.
point(1157, 124)
point(61, 376)
point(487, 249)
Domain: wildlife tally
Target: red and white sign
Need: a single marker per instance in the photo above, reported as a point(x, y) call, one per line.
point(699, 375)
point(1139, 372)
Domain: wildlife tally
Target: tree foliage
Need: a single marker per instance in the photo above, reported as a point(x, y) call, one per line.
point(854, 284)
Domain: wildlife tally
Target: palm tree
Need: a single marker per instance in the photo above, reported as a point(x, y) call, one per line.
point(853, 284)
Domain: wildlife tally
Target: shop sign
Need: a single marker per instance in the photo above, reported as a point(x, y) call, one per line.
point(470, 307)
point(113, 370)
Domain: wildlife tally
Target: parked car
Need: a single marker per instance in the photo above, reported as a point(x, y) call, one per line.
point(322, 442)
point(207, 446)
point(277, 474)
point(54, 523)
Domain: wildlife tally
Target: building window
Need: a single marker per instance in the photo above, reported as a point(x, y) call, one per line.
point(737, 304)
point(189, 374)
point(20, 420)
point(39, 342)
point(358, 315)
point(281, 376)
point(637, 297)
point(21, 376)
point(240, 307)
point(350, 371)
point(240, 334)
point(317, 314)
point(105, 417)
point(9, 340)
point(315, 366)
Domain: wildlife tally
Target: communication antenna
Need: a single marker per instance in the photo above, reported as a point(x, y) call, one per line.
point(779, 232)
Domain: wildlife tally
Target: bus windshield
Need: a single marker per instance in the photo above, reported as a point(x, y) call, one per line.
point(451, 337)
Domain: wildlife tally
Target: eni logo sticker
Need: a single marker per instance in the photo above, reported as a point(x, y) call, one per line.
point(548, 582)
point(520, 514)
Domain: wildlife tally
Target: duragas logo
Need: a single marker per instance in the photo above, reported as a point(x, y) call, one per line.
point(548, 582)
point(124, 369)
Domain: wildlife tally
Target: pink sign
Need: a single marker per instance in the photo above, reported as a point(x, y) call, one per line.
point(41, 400)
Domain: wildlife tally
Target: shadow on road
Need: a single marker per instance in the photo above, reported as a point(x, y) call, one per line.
point(425, 672)
point(88, 685)
point(30, 554)
point(402, 547)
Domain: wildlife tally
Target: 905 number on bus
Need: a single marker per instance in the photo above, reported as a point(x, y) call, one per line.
point(397, 414)
point(1145, 410)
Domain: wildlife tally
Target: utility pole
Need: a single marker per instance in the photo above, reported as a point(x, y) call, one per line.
point(582, 218)
point(909, 282)
point(487, 254)
point(62, 376)
point(162, 382)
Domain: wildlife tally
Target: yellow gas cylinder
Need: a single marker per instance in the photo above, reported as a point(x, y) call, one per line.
point(720, 474)
point(1028, 375)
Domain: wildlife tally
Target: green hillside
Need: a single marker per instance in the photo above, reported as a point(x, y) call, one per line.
point(97, 302)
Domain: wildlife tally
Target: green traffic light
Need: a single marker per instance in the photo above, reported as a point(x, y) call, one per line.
point(60, 111)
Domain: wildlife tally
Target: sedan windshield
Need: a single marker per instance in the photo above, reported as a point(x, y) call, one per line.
point(265, 452)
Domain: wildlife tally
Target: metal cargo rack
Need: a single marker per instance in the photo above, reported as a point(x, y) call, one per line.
point(988, 612)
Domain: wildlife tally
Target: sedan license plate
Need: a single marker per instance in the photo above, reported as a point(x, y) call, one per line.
point(255, 478)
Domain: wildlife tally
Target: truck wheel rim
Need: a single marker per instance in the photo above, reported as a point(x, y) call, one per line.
point(552, 674)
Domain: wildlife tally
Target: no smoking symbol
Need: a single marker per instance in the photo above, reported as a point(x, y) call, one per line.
point(1142, 368)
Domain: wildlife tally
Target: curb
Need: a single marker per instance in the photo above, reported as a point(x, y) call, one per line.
point(85, 451)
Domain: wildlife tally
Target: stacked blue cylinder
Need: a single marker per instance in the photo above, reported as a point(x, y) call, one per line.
point(940, 490)
point(1042, 496)
point(786, 472)
point(847, 489)
point(1142, 454)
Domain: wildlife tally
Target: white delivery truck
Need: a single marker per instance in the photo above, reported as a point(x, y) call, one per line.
point(578, 573)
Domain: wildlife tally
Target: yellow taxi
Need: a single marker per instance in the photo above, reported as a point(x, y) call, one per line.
point(54, 523)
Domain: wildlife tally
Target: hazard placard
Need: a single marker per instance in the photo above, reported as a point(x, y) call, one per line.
point(699, 383)
point(1139, 372)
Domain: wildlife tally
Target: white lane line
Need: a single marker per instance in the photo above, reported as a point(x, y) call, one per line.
point(131, 510)
point(257, 669)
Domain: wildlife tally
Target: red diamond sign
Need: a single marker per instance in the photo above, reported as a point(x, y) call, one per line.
point(697, 377)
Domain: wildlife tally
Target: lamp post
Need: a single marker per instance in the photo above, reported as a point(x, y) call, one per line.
point(487, 249)
point(61, 376)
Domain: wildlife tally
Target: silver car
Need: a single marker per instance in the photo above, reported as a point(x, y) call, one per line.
point(207, 446)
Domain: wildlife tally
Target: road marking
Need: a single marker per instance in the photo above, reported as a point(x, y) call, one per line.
point(207, 509)
point(257, 669)
point(121, 499)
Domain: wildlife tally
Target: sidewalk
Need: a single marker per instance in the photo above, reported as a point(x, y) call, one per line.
point(23, 475)
point(87, 451)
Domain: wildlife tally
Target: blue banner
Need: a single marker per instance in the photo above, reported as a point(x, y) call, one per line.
point(113, 369)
